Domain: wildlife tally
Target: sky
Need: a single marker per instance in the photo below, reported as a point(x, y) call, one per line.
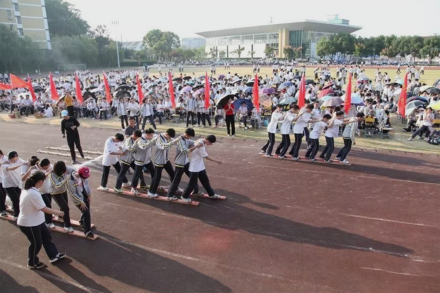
point(186, 18)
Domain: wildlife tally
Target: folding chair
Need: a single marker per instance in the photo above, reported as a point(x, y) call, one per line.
point(369, 127)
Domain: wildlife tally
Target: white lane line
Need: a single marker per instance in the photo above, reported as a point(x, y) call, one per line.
point(49, 276)
point(387, 220)
point(397, 273)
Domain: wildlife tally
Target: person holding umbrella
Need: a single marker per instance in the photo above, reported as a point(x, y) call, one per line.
point(230, 121)
point(69, 126)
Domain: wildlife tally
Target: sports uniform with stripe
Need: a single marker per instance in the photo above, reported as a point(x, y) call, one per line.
point(161, 162)
point(142, 157)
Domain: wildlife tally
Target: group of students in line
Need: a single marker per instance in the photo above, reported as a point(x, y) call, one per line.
point(31, 185)
point(329, 122)
point(135, 151)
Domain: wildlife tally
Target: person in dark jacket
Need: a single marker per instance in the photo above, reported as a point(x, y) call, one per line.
point(69, 126)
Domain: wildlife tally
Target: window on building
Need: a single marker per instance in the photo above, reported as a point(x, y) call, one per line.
point(11, 26)
point(20, 32)
point(18, 19)
point(16, 7)
point(9, 12)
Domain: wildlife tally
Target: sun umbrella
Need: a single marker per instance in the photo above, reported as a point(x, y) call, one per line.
point(38, 89)
point(433, 91)
point(269, 91)
point(412, 105)
point(87, 95)
point(355, 100)
point(328, 86)
point(186, 89)
point(435, 106)
point(235, 81)
point(238, 103)
point(288, 100)
point(333, 102)
point(325, 92)
point(248, 90)
point(91, 87)
point(199, 91)
point(221, 76)
point(123, 87)
point(310, 81)
point(187, 77)
point(424, 88)
point(421, 99)
point(250, 83)
point(287, 83)
point(224, 100)
point(197, 86)
point(178, 79)
point(120, 94)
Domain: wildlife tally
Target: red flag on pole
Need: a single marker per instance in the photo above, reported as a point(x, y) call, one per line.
point(4, 86)
point(139, 88)
point(78, 90)
point(402, 98)
point(171, 90)
point(256, 94)
point(53, 90)
point(302, 92)
point(108, 94)
point(347, 104)
point(17, 82)
point(207, 91)
point(31, 89)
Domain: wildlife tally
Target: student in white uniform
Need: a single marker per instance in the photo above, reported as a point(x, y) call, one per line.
point(271, 130)
point(12, 179)
point(3, 213)
point(349, 134)
point(332, 132)
point(318, 128)
point(197, 168)
point(32, 224)
point(288, 117)
point(110, 158)
point(303, 119)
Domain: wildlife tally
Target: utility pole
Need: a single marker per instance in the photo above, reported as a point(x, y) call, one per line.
point(116, 23)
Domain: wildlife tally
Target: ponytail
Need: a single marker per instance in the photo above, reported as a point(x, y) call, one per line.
point(34, 179)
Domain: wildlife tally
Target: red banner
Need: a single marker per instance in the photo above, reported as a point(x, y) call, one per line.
point(17, 82)
point(302, 92)
point(78, 90)
point(347, 104)
point(31, 89)
point(207, 91)
point(402, 98)
point(139, 88)
point(171, 90)
point(256, 94)
point(108, 94)
point(53, 90)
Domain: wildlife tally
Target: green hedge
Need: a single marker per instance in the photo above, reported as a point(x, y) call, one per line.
point(137, 63)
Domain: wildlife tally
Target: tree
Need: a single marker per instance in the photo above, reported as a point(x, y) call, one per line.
point(268, 51)
point(297, 52)
point(64, 19)
point(161, 42)
point(288, 52)
point(222, 54)
point(251, 53)
point(129, 53)
point(431, 48)
point(213, 52)
point(238, 51)
point(101, 36)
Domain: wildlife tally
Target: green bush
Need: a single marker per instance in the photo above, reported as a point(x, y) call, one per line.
point(137, 63)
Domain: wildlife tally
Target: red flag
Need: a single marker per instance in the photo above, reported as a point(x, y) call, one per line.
point(17, 82)
point(78, 90)
point(53, 90)
point(4, 86)
point(139, 87)
point(207, 91)
point(31, 89)
point(171, 90)
point(108, 94)
point(347, 104)
point(302, 92)
point(402, 98)
point(256, 94)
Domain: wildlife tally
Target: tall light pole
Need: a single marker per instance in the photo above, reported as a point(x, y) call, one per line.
point(116, 23)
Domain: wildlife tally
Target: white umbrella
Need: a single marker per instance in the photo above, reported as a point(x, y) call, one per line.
point(355, 99)
point(424, 88)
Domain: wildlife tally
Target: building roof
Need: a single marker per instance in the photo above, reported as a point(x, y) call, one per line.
point(306, 25)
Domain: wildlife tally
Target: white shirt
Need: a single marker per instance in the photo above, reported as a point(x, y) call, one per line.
point(272, 126)
point(301, 123)
point(287, 122)
point(110, 147)
point(11, 178)
point(334, 130)
point(196, 163)
point(2, 160)
point(31, 204)
point(318, 129)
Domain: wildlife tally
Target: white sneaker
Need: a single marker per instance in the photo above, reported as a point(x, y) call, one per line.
point(338, 158)
point(188, 200)
point(245, 128)
point(126, 184)
point(69, 229)
point(50, 226)
point(134, 191)
point(345, 162)
point(102, 188)
point(233, 135)
point(152, 195)
point(215, 196)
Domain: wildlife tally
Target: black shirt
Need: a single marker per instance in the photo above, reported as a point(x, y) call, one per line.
point(67, 123)
point(129, 130)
